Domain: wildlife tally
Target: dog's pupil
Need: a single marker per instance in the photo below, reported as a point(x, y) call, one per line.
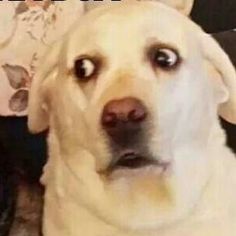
point(81, 69)
point(162, 59)
point(165, 58)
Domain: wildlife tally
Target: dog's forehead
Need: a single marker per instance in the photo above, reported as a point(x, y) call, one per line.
point(128, 26)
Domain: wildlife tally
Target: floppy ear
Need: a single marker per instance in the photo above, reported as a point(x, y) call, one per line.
point(38, 108)
point(219, 60)
point(183, 6)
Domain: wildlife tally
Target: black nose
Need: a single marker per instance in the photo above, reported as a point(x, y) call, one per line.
point(123, 117)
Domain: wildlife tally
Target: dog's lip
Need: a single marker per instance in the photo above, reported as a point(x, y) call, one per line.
point(130, 159)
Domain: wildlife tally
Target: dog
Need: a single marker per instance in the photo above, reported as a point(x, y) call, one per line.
point(131, 96)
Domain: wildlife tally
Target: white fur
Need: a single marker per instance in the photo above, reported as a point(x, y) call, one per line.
point(196, 197)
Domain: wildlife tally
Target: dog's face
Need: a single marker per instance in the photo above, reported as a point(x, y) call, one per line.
point(132, 96)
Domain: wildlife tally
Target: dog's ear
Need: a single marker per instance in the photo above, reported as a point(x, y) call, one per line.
point(39, 107)
point(183, 6)
point(224, 75)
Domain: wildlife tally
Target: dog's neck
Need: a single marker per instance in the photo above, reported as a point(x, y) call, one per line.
point(65, 216)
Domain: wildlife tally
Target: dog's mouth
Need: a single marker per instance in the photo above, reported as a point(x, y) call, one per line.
point(131, 160)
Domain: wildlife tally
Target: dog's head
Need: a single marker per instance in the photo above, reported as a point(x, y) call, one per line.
point(131, 96)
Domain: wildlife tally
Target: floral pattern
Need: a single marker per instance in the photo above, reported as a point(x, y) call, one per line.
point(39, 17)
point(26, 29)
point(19, 79)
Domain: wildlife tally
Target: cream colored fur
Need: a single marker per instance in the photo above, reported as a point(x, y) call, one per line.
point(197, 196)
point(183, 6)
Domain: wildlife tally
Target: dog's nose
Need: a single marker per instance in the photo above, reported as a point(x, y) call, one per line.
point(123, 113)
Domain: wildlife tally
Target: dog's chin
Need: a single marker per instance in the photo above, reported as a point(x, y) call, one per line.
point(131, 163)
point(142, 181)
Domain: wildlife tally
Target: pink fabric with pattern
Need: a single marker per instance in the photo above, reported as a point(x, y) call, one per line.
point(26, 29)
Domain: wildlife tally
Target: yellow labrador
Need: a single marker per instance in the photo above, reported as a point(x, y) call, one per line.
point(131, 96)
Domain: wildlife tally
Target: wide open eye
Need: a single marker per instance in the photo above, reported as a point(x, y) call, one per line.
point(164, 58)
point(84, 69)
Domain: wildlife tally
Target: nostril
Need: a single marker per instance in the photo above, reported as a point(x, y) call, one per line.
point(109, 119)
point(123, 114)
point(137, 115)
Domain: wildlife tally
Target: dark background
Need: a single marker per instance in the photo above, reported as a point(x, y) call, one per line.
point(215, 15)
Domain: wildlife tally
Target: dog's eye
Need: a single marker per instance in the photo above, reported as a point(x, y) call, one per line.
point(84, 68)
point(165, 58)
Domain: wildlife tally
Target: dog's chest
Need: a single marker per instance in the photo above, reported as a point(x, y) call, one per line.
point(79, 221)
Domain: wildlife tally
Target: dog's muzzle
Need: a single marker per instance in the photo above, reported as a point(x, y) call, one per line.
point(124, 121)
point(125, 124)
